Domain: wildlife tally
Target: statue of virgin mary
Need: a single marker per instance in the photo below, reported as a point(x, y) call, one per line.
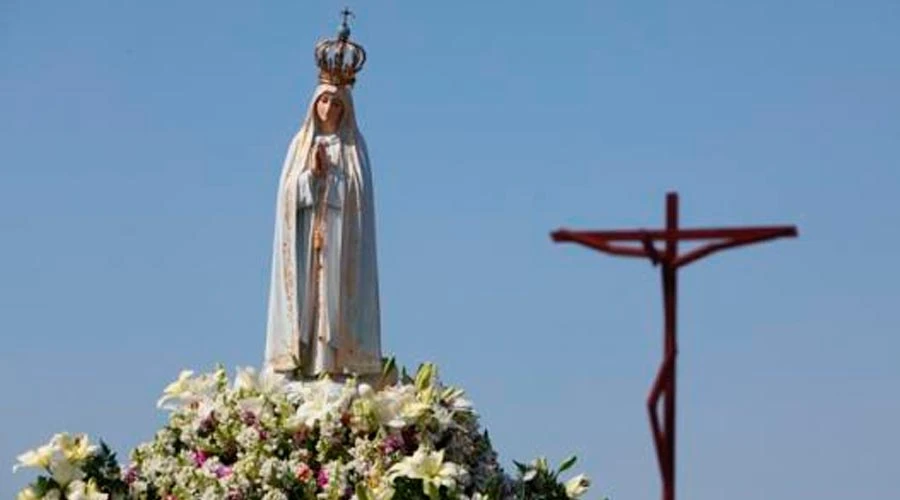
point(323, 314)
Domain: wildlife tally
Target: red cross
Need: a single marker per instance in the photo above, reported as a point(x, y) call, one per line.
point(669, 260)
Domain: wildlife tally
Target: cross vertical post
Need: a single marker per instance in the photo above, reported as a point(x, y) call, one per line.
point(670, 294)
point(670, 261)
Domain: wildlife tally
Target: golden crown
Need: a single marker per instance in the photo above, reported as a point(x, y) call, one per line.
point(339, 60)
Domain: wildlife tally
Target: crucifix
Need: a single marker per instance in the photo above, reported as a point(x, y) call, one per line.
point(643, 245)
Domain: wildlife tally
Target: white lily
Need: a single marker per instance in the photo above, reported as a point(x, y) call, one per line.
point(397, 406)
point(462, 404)
point(453, 396)
point(443, 416)
point(246, 379)
point(176, 389)
point(577, 486)
point(387, 407)
point(320, 399)
point(429, 466)
point(39, 457)
point(413, 409)
point(74, 448)
point(64, 471)
point(79, 490)
point(188, 389)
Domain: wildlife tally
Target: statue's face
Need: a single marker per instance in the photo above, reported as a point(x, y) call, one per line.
point(329, 109)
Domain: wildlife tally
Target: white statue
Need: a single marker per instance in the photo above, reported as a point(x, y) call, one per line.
point(323, 300)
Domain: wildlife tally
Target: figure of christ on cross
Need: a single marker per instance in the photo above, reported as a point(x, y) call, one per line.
point(670, 261)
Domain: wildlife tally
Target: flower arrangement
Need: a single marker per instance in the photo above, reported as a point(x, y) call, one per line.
point(264, 437)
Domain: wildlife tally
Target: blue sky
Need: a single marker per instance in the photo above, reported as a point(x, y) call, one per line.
point(140, 146)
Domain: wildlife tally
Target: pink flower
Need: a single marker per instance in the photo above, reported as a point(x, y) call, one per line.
point(304, 473)
point(199, 458)
point(223, 471)
point(391, 444)
point(130, 474)
point(322, 478)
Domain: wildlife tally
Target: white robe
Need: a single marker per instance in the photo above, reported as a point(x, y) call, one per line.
point(346, 336)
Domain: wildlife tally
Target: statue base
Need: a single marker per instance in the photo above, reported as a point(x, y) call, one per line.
point(376, 378)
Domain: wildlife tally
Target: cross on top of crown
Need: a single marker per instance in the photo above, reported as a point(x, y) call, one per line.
point(344, 31)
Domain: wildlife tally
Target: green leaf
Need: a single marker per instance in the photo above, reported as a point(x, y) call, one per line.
point(389, 365)
point(404, 376)
point(424, 376)
point(432, 490)
point(451, 393)
point(44, 484)
point(362, 493)
point(567, 464)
